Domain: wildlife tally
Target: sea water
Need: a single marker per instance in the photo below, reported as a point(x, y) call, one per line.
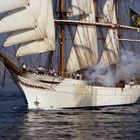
point(17, 123)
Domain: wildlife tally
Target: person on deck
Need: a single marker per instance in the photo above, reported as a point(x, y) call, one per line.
point(132, 83)
point(24, 68)
point(40, 70)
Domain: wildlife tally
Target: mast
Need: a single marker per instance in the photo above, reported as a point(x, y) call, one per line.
point(116, 13)
point(62, 32)
point(95, 5)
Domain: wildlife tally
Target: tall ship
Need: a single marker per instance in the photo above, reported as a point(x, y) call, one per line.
point(72, 53)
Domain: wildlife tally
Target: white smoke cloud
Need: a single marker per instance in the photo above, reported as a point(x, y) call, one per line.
point(128, 68)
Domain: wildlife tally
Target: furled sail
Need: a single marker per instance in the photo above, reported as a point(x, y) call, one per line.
point(110, 54)
point(84, 51)
point(44, 30)
point(8, 5)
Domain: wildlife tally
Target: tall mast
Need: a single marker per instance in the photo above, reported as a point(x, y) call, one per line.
point(116, 13)
point(62, 16)
point(95, 5)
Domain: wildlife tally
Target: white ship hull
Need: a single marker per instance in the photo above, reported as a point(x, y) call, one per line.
point(72, 93)
point(77, 37)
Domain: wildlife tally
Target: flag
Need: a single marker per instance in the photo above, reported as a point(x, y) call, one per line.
point(134, 19)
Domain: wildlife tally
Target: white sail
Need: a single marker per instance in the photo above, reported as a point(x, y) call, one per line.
point(8, 5)
point(46, 22)
point(110, 53)
point(44, 30)
point(23, 36)
point(84, 51)
point(39, 46)
point(12, 22)
point(80, 7)
point(21, 18)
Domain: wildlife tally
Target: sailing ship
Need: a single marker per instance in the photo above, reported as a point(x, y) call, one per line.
point(84, 40)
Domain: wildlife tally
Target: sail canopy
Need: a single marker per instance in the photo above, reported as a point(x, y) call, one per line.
point(33, 23)
point(11, 22)
point(80, 7)
point(21, 18)
point(84, 50)
point(22, 36)
point(31, 26)
point(8, 5)
point(110, 54)
point(38, 46)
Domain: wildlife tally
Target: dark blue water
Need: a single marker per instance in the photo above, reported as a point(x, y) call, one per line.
point(17, 123)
